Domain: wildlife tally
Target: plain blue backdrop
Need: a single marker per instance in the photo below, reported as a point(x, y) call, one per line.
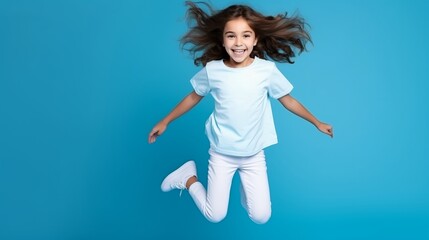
point(83, 82)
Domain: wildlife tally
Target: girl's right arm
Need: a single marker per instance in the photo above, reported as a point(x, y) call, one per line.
point(185, 105)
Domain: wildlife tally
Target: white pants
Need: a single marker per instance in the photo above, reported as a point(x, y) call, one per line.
point(255, 193)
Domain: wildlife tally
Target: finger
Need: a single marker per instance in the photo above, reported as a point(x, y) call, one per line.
point(149, 138)
point(152, 136)
point(152, 139)
point(153, 131)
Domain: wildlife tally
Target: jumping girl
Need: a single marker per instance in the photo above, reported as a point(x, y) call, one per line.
point(234, 46)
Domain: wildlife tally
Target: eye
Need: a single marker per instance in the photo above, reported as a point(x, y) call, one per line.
point(247, 36)
point(230, 36)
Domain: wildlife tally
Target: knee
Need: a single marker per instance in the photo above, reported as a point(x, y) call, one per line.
point(216, 217)
point(260, 217)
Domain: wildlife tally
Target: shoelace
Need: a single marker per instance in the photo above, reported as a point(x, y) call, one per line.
point(179, 186)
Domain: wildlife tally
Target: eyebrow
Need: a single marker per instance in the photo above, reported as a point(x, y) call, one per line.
point(248, 31)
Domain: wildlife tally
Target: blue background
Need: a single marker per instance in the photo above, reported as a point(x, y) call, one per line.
point(83, 82)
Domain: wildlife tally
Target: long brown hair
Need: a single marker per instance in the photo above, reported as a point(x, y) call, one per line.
point(279, 37)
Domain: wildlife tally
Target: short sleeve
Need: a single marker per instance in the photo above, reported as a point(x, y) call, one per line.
point(200, 82)
point(279, 86)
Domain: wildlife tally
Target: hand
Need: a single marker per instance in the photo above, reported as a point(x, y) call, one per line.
point(157, 131)
point(326, 129)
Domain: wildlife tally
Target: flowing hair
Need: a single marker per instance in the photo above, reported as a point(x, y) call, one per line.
point(279, 37)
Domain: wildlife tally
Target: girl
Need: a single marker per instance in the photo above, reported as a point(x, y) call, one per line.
point(235, 43)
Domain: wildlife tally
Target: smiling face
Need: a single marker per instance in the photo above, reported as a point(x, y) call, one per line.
point(238, 40)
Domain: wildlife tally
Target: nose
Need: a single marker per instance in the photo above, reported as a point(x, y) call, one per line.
point(238, 41)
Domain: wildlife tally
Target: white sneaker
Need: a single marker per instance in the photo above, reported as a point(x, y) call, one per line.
point(178, 178)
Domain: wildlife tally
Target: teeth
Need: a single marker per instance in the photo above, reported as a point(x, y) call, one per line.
point(239, 51)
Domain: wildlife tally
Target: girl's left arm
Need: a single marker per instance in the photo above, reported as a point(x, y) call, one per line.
point(297, 108)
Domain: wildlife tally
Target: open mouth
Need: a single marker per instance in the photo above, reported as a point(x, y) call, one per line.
point(238, 51)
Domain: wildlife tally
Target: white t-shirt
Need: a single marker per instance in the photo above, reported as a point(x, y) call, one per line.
point(242, 122)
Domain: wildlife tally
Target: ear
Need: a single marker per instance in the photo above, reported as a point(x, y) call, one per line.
point(255, 42)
